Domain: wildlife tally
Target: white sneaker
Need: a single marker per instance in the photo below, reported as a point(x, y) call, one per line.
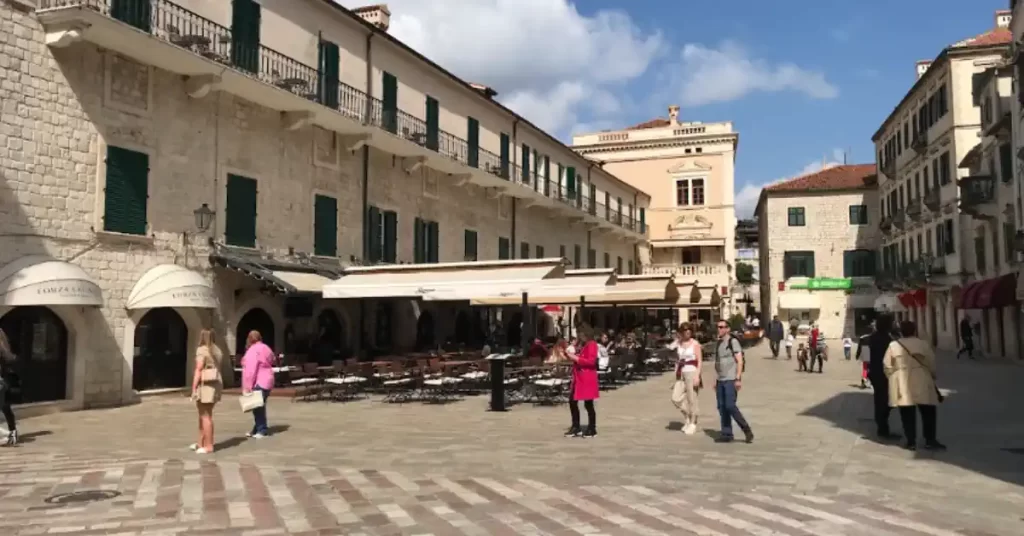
point(690, 429)
point(202, 451)
point(257, 436)
point(193, 446)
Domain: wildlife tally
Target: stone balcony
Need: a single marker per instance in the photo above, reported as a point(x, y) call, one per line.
point(705, 274)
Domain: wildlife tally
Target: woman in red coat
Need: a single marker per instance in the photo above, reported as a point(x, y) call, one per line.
point(584, 385)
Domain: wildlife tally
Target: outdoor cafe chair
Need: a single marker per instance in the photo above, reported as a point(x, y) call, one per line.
point(439, 385)
point(552, 389)
point(398, 384)
point(306, 382)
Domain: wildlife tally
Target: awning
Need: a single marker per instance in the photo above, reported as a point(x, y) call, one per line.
point(170, 285)
point(860, 301)
point(37, 280)
point(913, 298)
point(889, 303)
point(990, 293)
point(303, 282)
point(639, 290)
point(590, 284)
point(799, 300)
point(452, 281)
point(694, 297)
point(303, 275)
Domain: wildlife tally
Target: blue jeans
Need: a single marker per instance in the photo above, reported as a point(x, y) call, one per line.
point(259, 415)
point(725, 392)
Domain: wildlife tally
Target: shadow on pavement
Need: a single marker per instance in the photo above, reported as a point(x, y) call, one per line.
point(238, 440)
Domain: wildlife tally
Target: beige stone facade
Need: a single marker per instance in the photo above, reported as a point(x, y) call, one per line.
point(75, 82)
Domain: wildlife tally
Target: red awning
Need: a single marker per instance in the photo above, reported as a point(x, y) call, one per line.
point(967, 295)
point(551, 308)
point(920, 297)
point(907, 299)
point(990, 293)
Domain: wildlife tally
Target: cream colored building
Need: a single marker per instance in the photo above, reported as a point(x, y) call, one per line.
point(303, 137)
point(688, 169)
point(927, 251)
point(818, 240)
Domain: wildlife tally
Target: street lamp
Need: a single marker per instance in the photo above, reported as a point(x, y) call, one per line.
point(204, 217)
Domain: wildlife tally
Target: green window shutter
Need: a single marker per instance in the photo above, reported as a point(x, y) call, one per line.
point(371, 235)
point(330, 74)
point(505, 155)
point(503, 248)
point(540, 252)
point(526, 164)
point(417, 241)
point(570, 181)
point(138, 13)
point(593, 199)
point(576, 257)
point(547, 176)
point(536, 169)
point(245, 35)
point(473, 142)
point(643, 220)
point(390, 236)
point(849, 260)
point(434, 233)
point(240, 217)
point(607, 260)
point(389, 102)
point(470, 245)
point(126, 192)
point(325, 226)
point(433, 122)
point(524, 250)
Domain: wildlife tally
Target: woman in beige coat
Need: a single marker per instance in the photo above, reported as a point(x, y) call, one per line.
point(910, 367)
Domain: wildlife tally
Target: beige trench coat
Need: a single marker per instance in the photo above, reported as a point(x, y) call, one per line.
point(910, 383)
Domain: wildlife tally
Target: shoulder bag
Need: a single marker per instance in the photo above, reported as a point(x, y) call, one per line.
point(920, 361)
point(209, 378)
point(250, 401)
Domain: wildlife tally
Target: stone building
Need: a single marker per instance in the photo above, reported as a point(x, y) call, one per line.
point(170, 165)
point(818, 242)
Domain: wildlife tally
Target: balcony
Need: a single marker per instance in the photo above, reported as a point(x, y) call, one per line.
point(899, 220)
point(920, 142)
point(933, 200)
point(889, 169)
point(705, 274)
point(914, 209)
point(977, 197)
point(885, 225)
point(210, 58)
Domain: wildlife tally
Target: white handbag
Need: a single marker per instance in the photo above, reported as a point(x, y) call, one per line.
point(252, 400)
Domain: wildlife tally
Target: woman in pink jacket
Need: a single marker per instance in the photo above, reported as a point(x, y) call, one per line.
point(258, 375)
point(584, 384)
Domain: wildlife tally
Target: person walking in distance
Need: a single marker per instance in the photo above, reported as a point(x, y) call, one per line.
point(967, 338)
point(864, 356)
point(689, 360)
point(258, 375)
point(878, 344)
point(584, 385)
point(729, 371)
point(776, 333)
point(6, 358)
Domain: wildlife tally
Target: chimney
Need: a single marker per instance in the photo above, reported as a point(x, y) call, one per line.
point(486, 91)
point(922, 67)
point(673, 115)
point(378, 15)
point(1003, 18)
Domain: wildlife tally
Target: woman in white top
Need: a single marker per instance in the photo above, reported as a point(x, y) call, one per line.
point(688, 368)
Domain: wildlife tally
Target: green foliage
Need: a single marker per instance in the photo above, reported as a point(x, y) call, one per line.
point(744, 273)
point(737, 322)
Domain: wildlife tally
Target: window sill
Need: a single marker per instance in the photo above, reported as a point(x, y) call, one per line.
point(111, 236)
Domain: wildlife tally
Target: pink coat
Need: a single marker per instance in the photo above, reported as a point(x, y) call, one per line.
point(258, 367)
point(584, 374)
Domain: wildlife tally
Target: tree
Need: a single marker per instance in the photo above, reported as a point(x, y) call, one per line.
point(744, 273)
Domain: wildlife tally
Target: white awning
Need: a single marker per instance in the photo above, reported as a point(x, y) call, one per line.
point(170, 285)
point(889, 303)
point(799, 300)
point(303, 282)
point(860, 301)
point(453, 281)
point(650, 290)
point(47, 281)
point(560, 291)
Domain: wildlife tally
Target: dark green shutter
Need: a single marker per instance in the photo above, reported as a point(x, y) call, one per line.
point(526, 164)
point(505, 149)
point(576, 257)
point(570, 182)
point(618, 265)
point(127, 191)
point(240, 217)
point(417, 242)
point(607, 260)
point(591, 258)
point(536, 169)
point(245, 35)
point(608, 206)
point(330, 74)
point(524, 250)
point(374, 244)
point(540, 252)
point(433, 124)
point(473, 142)
point(547, 176)
point(434, 236)
point(389, 102)
point(138, 13)
point(593, 199)
point(849, 263)
point(503, 248)
point(325, 226)
point(643, 220)
point(470, 245)
point(390, 236)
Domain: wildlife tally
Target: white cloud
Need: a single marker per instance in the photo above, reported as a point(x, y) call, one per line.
point(727, 73)
point(747, 196)
point(547, 61)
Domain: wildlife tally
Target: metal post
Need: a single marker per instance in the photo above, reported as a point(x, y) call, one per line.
point(583, 309)
point(523, 334)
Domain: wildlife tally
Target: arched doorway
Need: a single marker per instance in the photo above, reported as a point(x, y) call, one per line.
point(39, 340)
point(465, 332)
point(514, 330)
point(331, 340)
point(256, 319)
point(425, 331)
point(161, 351)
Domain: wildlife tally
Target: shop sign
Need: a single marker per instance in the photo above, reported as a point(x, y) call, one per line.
point(824, 283)
point(69, 290)
point(196, 296)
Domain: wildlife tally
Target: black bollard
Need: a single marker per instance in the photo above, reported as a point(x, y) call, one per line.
point(497, 382)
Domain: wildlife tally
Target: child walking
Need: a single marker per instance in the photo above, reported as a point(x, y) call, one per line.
point(847, 347)
point(801, 358)
point(789, 345)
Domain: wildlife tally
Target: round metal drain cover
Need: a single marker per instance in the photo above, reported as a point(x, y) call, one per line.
point(91, 495)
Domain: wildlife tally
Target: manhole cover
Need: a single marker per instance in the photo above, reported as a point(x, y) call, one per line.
point(91, 495)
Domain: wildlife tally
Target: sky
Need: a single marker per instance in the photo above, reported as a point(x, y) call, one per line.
point(805, 85)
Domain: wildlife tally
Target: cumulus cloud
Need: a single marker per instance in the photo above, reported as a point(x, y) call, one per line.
point(727, 73)
point(747, 196)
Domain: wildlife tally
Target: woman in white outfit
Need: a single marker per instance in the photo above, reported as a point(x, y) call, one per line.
point(688, 368)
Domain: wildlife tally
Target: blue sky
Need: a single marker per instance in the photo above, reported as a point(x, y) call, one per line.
point(801, 84)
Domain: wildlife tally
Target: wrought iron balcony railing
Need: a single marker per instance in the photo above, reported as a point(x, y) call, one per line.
point(914, 208)
point(900, 218)
point(976, 191)
point(933, 199)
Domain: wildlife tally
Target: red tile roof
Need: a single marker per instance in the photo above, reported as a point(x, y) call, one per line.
point(996, 36)
point(653, 123)
point(845, 177)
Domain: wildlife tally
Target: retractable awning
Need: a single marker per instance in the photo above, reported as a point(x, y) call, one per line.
point(305, 275)
point(453, 281)
point(37, 280)
point(889, 303)
point(565, 291)
point(799, 300)
point(170, 285)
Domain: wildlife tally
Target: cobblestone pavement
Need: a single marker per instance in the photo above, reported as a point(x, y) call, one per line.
point(371, 468)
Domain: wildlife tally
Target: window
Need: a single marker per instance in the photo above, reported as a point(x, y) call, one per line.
point(607, 260)
point(858, 214)
point(948, 237)
point(547, 176)
point(1008, 234)
point(797, 264)
point(504, 248)
point(690, 255)
point(796, 217)
point(591, 258)
point(325, 226)
point(570, 182)
point(470, 251)
point(561, 252)
point(524, 250)
point(382, 239)
point(328, 83)
point(1006, 162)
point(979, 253)
point(944, 169)
point(425, 241)
point(505, 155)
point(689, 192)
point(643, 220)
point(127, 192)
point(928, 241)
point(576, 257)
point(920, 245)
point(473, 142)
point(539, 252)
point(917, 186)
point(618, 265)
point(433, 115)
point(940, 240)
point(245, 35)
point(389, 103)
point(630, 267)
point(240, 213)
point(525, 171)
point(859, 263)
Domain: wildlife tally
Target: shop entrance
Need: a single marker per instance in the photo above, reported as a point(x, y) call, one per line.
point(161, 351)
point(256, 319)
point(39, 341)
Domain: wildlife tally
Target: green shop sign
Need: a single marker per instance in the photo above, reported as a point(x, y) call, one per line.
point(824, 283)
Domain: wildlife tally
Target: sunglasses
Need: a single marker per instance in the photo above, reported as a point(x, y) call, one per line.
point(723, 327)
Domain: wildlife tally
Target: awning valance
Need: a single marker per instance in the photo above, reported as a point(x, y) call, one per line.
point(799, 300)
point(302, 275)
point(889, 303)
point(565, 291)
point(170, 285)
point(38, 280)
point(453, 281)
point(650, 290)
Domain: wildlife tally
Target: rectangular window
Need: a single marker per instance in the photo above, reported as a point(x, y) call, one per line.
point(592, 204)
point(245, 35)
point(979, 254)
point(505, 156)
point(1006, 162)
point(618, 265)
point(928, 241)
point(525, 171)
point(524, 250)
point(949, 237)
point(1008, 232)
point(539, 252)
point(630, 264)
point(859, 263)
point(325, 226)
point(504, 248)
point(570, 182)
point(682, 193)
point(920, 245)
point(137, 13)
point(473, 142)
point(547, 176)
point(389, 102)
point(433, 110)
point(797, 217)
point(944, 168)
point(576, 257)
point(469, 249)
point(643, 220)
point(591, 258)
point(697, 192)
point(389, 236)
point(561, 252)
point(425, 241)
point(328, 83)
point(797, 264)
point(126, 191)
point(858, 214)
point(240, 213)
point(940, 240)
point(607, 260)
point(374, 231)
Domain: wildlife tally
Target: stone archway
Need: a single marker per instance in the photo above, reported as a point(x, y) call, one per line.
point(255, 319)
point(160, 351)
point(425, 331)
point(40, 339)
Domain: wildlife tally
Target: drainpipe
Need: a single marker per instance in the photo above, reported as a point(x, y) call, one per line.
point(367, 107)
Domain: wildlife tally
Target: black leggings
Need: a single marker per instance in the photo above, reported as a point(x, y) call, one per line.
point(5, 406)
point(574, 410)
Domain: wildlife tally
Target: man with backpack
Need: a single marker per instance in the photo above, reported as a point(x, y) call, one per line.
point(729, 368)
